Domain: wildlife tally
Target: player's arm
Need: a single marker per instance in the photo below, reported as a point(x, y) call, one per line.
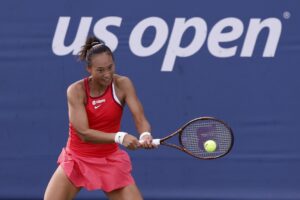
point(78, 116)
point(136, 108)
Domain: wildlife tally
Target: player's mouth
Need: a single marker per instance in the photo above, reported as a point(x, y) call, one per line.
point(107, 80)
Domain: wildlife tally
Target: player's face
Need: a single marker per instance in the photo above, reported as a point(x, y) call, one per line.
point(102, 68)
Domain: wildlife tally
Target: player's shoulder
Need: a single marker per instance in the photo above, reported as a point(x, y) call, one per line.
point(76, 89)
point(123, 86)
point(120, 78)
point(122, 81)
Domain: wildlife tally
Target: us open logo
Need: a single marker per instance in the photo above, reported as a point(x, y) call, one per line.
point(215, 38)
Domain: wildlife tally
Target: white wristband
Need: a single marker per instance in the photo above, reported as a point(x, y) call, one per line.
point(143, 134)
point(119, 137)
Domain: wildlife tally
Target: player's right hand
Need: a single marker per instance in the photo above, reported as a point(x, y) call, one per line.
point(131, 142)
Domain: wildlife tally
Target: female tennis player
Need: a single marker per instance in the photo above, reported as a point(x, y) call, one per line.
point(92, 158)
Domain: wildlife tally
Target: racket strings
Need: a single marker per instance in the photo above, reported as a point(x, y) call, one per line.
point(195, 134)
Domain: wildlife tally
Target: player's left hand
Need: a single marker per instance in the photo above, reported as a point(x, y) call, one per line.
point(146, 142)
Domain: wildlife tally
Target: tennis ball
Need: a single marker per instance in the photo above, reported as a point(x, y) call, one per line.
point(210, 146)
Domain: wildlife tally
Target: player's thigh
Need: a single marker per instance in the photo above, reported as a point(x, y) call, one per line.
point(130, 192)
point(60, 187)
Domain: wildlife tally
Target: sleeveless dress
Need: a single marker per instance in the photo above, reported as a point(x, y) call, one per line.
point(98, 166)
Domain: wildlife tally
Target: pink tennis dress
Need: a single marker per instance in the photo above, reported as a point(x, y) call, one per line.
point(98, 166)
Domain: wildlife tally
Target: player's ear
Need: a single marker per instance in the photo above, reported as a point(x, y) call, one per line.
point(88, 69)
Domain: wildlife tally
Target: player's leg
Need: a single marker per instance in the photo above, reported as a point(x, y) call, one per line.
point(60, 187)
point(130, 192)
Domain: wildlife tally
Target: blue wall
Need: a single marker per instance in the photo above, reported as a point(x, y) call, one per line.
point(187, 59)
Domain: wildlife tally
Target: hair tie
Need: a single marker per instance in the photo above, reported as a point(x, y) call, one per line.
point(94, 45)
point(97, 44)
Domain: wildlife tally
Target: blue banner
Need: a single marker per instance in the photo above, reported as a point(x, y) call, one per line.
point(234, 60)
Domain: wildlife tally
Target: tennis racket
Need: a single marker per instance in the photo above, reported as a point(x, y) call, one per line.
point(194, 135)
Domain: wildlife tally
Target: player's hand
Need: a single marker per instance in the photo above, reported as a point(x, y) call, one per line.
point(131, 142)
point(146, 142)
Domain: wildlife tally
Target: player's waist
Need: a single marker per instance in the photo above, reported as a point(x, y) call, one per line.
point(106, 128)
point(90, 149)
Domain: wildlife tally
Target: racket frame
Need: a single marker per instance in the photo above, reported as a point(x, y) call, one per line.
point(182, 148)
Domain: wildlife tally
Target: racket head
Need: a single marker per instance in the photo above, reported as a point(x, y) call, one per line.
point(195, 133)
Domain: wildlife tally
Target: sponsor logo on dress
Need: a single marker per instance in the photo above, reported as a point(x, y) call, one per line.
point(98, 103)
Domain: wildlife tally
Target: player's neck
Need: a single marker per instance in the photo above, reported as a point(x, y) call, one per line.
point(96, 89)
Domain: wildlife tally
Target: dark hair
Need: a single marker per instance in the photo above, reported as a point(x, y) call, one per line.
point(91, 47)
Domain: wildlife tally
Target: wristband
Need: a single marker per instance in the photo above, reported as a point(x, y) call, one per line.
point(119, 137)
point(143, 134)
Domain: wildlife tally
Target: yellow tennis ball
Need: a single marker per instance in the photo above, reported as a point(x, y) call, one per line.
point(210, 146)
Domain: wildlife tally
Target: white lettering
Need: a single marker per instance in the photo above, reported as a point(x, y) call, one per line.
point(100, 31)
point(174, 50)
point(216, 36)
point(227, 30)
point(136, 36)
point(58, 46)
point(255, 26)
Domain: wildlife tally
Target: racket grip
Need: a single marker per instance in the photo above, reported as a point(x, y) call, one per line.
point(156, 142)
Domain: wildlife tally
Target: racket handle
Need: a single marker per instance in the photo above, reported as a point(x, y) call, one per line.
point(154, 142)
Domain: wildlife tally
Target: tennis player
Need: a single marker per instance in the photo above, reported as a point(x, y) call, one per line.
point(92, 158)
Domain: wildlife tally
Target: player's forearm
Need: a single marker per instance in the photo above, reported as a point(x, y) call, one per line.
point(142, 125)
point(94, 136)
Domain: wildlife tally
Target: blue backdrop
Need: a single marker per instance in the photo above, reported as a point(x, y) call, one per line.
point(235, 60)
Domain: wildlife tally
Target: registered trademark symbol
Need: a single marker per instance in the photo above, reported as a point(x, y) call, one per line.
point(286, 15)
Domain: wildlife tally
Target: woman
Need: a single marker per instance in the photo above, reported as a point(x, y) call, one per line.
point(92, 158)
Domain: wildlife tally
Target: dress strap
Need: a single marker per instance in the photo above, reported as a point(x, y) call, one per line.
point(87, 87)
